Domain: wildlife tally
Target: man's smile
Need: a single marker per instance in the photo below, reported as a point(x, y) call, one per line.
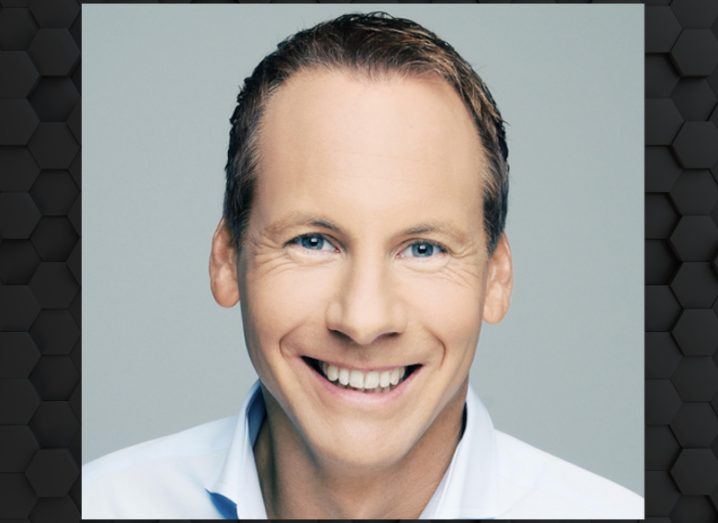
point(375, 380)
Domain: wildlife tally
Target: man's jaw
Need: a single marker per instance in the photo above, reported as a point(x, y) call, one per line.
point(370, 381)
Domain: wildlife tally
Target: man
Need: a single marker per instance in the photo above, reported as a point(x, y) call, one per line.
point(362, 235)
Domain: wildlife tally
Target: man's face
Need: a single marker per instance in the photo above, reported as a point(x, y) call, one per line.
point(365, 261)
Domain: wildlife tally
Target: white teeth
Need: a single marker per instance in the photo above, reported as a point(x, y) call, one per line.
point(371, 380)
point(344, 376)
point(356, 379)
point(395, 376)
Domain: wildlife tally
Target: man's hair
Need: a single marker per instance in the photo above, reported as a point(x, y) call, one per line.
point(376, 45)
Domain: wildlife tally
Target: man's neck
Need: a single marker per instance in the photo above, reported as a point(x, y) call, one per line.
point(296, 484)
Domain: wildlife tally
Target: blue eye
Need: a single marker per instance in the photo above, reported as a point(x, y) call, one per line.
point(424, 249)
point(313, 242)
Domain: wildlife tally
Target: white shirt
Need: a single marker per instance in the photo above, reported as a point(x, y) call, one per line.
point(208, 472)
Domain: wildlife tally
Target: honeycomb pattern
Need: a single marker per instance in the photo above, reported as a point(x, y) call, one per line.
point(694, 98)
point(661, 76)
point(697, 332)
point(695, 238)
point(662, 29)
point(54, 238)
point(661, 216)
point(54, 377)
point(19, 75)
point(39, 260)
point(54, 52)
point(17, 29)
point(55, 332)
point(661, 492)
point(23, 499)
point(17, 121)
point(696, 145)
point(692, 509)
point(696, 471)
point(54, 192)
point(54, 424)
point(18, 356)
point(58, 13)
point(695, 286)
point(695, 13)
point(54, 510)
point(695, 53)
point(662, 448)
point(662, 355)
point(662, 170)
point(662, 121)
point(17, 448)
point(52, 472)
point(53, 146)
point(695, 425)
point(662, 309)
point(55, 98)
point(696, 379)
point(661, 263)
point(19, 169)
point(695, 193)
point(40, 82)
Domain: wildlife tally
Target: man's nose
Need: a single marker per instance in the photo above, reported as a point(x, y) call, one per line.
point(366, 306)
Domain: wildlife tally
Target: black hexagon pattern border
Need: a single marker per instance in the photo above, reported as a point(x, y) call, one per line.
point(40, 176)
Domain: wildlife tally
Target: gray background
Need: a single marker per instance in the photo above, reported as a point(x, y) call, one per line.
point(564, 370)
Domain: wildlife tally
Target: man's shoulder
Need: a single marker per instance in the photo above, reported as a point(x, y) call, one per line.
point(533, 481)
point(194, 442)
point(142, 475)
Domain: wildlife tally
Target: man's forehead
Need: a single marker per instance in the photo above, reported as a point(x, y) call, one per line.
point(340, 118)
point(345, 105)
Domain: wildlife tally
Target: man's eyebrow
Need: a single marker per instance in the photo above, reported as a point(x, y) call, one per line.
point(437, 227)
point(296, 219)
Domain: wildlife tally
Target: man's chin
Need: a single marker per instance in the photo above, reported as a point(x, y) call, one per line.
point(363, 449)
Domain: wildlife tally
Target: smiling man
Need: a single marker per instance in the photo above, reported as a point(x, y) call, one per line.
point(362, 236)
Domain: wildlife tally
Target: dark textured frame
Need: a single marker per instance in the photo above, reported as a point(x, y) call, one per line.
point(40, 230)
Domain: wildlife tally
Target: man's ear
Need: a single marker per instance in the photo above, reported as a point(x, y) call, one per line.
point(223, 267)
point(500, 282)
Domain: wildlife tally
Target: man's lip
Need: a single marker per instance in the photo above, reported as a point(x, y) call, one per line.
point(349, 366)
point(358, 398)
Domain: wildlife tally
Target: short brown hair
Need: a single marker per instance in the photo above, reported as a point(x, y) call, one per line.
point(374, 44)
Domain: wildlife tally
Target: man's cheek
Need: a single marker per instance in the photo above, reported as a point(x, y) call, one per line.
point(289, 301)
point(450, 312)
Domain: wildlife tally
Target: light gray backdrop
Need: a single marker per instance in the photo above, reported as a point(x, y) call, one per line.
point(564, 371)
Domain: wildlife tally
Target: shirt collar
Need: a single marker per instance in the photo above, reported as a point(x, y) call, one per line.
point(467, 490)
point(236, 492)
